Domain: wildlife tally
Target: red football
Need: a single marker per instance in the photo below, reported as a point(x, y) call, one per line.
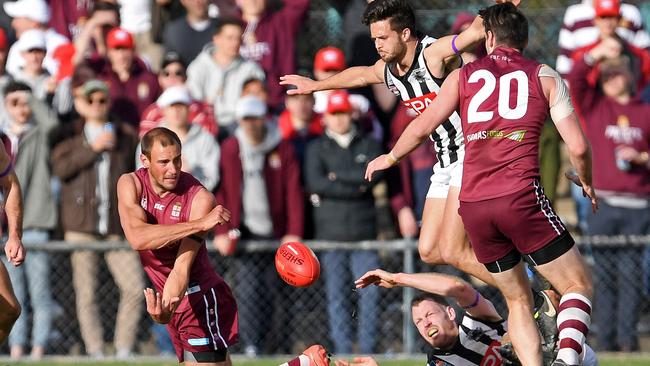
point(296, 264)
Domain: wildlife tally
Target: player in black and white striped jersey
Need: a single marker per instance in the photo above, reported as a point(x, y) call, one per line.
point(477, 340)
point(413, 66)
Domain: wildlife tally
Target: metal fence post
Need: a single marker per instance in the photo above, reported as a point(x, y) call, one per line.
point(408, 333)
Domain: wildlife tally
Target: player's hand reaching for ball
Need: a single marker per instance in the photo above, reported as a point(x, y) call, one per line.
point(357, 361)
point(303, 84)
point(15, 251)
point(218, 216)
point(159, 310)
point(377, 277)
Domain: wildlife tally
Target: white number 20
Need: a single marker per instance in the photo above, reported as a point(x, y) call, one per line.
point(504, 110)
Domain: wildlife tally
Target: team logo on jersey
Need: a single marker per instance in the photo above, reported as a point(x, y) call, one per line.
point(622, 132)
point(419, 104)
point(143, 203)
point(393, 89)
point(159, 206)
point(176, 210)
point(420, 74)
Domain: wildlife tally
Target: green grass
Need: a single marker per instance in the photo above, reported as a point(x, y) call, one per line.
point(608, 360)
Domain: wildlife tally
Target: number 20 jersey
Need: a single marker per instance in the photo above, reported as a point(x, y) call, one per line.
point(417, 88)
point(503, 109)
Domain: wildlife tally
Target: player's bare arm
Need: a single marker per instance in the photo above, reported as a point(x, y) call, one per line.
point(178, 279)
point(144, 236)
point(567, 124)
point(14, 210)
point(440, 284)
point(350, 78)
point(420, 128)
point(441, 53)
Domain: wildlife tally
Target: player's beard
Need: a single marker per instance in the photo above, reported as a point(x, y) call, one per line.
point(394, 56)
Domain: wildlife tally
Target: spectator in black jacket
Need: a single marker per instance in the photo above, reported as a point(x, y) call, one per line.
point(344, 210)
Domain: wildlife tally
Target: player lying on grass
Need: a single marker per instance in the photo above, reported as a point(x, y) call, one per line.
point(479, 339)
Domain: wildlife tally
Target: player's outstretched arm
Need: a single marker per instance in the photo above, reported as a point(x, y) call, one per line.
point(14, 210)
point(144, 236)
point(353, 77)
point(178, 279)
point(446, 48)
point(420, 128)
point(567, 124)
point(440, 284)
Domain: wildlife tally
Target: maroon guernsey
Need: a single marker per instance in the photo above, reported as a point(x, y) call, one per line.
point(503, 109)
point(172, 209)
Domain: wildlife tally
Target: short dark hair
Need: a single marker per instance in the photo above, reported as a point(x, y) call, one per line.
point(440, 300)
point(164, 136)
point(15, 86)
point(227, 21)
point(507, 23)
point(104, 6)
point(398, 12)
point(251, 80)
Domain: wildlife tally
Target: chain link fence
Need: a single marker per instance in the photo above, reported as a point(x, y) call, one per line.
point(284, 320)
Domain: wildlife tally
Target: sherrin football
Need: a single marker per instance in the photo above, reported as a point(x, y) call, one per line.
point(296, 264)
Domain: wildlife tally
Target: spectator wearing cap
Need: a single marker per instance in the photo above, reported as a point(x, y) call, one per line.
point(618, 128)
point(89, 162)
point(132, 86)
point(173, 73)
point(607, 18)
point(27, 124)
point(196, 26)
point(328, 62)
point(31, 45)
point(579, 29)
point(344, 210)
point(219, 72)
point(260, 185)
point(200, 148)
point(270, 39)
point(27, 15)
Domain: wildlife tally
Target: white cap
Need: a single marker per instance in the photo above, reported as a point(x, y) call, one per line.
point(31, 39)
point(36, 10)
point(250, 106)
point(177, 94)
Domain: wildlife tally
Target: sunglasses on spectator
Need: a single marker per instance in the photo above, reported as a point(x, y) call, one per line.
point(168, 73)
point(100, 101)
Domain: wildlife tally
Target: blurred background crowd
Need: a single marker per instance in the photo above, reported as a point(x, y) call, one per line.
point(82, 80)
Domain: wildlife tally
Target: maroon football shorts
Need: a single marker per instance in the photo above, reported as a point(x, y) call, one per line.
point(523, 220)
point(205, 321)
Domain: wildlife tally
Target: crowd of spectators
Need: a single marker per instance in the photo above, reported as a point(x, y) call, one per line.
point(81, 81)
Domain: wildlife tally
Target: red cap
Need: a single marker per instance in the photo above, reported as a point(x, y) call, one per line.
point(607, 8)
point(339, 102)
point(119, 38)
point(329, 59)
point(3, 39)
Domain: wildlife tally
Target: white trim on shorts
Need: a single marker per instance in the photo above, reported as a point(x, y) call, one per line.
point(443, 178)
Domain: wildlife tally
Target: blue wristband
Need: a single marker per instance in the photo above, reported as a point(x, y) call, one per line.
point(476, 299)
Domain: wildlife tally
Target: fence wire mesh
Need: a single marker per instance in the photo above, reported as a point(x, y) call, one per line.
point(278, 319)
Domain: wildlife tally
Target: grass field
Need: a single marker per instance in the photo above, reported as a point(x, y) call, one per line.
point(607, 360)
